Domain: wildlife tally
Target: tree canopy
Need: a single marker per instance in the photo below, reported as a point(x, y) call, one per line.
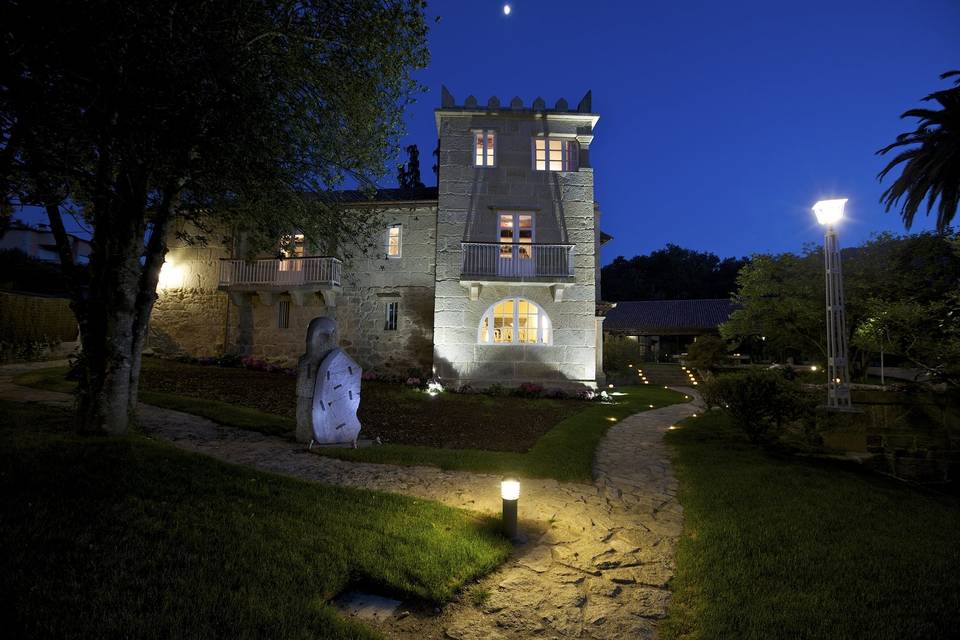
point(671, 273)
point(901, 291)
point(228, 114)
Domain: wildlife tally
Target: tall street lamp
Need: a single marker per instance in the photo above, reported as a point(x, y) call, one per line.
point(829, 213)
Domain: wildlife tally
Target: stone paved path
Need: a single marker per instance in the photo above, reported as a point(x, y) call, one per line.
point(596, 566)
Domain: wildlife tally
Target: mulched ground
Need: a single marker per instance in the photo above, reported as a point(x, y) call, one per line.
point(392, 412)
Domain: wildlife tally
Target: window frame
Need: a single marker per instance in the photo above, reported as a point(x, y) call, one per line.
point(544, 325)
point(569, 154)
point(399, 227)
point(489, 150)
point(391, 321)
point(283, 314)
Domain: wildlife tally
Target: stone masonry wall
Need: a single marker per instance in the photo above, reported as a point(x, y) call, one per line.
point(190, 315)
point(368, 284)
point(563, 206)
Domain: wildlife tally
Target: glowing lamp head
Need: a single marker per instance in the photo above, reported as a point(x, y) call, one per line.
point(510, 489)
point(506, 9)
point(813, 367)
point(829, 211)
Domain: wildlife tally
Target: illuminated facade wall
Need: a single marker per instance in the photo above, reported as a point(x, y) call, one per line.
point(471, 198)
point(493, 197)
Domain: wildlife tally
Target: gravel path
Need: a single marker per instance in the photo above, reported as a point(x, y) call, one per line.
point(599, 556)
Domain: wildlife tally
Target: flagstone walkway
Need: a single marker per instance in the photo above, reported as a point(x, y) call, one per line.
point(599, 556)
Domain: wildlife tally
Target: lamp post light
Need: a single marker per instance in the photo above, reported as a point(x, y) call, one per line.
point(829, 213)
point(510, 492)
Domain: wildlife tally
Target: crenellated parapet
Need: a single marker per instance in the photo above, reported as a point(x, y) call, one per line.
point(448, 103)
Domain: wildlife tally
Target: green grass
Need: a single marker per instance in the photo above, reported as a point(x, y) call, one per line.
point(774, 547)
point(128, 537)
point(231, 415)
point(564, 453)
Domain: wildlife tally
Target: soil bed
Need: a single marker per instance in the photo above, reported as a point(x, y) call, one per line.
point(391, 412)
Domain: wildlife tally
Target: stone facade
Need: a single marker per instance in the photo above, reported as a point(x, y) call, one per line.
point(190, 315)
point(193, 317)
point(372, 282)
point(440, 308)
point(470, 202)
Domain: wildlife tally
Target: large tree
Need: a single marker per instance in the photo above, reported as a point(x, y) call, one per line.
point(901, 296)
point(227, 114)
point(930, 156)
point(671, 273)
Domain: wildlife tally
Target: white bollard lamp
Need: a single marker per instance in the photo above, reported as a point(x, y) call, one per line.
point(510, 493)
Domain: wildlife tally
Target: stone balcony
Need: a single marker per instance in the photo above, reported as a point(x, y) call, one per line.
point(521, 264)
point(301, 278)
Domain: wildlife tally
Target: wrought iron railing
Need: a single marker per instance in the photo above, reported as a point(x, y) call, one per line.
point(281, 272)
point(516, 261)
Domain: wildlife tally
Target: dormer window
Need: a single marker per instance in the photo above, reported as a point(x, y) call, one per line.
point(484, 148)
point(554, 154)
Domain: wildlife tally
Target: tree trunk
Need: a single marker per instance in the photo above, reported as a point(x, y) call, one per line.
point(109, 368)
point(108, 342)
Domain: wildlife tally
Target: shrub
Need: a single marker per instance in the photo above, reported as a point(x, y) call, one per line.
point(708, 352)
point(619, 352)
point(760, 401)
point(497, 389)
point(529, 390)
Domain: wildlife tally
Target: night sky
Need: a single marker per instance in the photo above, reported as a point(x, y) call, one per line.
point(720, 122)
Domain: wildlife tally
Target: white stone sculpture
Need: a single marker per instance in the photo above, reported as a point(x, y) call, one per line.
point(328, 389)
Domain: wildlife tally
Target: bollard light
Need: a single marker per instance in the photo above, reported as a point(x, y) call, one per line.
point(510, 492)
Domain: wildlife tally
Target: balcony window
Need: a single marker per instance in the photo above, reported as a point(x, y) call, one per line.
point(283, 314)
point(516, 236)
point(292, 246)
point(484, 148)
point(554, 154)
point(515, 321)
point(393, 241)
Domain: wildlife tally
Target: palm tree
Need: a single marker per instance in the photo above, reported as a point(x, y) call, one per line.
point(931, 170)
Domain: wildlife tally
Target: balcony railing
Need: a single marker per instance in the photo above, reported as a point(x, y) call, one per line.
point(273, 272)
point(516, 261)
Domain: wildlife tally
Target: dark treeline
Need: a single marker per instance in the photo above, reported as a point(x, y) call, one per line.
point(671, 273)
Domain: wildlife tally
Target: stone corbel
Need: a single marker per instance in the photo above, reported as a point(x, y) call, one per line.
point(475, 291)
point(267, 297)
point(239, 298)
point(557, 292)
point(329, 297)
point(300, 298)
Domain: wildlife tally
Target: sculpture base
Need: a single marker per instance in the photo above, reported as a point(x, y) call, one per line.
point(359, 444)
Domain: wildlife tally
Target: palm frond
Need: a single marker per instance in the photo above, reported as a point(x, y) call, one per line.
point(929, 161)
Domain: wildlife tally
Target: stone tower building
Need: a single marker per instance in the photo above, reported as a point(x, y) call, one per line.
point(492, 277)
point(517, 248)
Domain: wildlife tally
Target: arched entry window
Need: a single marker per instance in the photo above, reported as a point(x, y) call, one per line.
point(515, 321)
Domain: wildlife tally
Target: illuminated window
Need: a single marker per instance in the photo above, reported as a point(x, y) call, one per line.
point(292, 246)
point(515, 321)
point(393, 309)
point(484, 148)
point(554, 154)
point(516, 234)
point(394, 233)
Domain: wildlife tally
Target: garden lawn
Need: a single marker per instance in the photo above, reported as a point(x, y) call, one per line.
point(776, 547)
point(128, 537)
point(564, 453)
point(222, 412)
